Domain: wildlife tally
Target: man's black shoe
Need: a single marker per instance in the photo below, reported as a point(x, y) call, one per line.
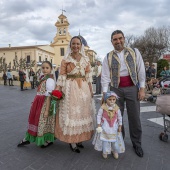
point(138, 150)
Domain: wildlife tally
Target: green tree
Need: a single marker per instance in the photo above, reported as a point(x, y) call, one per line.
point(161, 64)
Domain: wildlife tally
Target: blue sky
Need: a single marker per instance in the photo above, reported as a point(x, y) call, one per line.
point(30, 22)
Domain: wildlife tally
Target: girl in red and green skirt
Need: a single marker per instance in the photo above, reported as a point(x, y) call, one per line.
point(41, 123)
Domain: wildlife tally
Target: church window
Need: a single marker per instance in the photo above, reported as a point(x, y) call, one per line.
point(39, 58)
point(28, 58)
point(62, 51)
point(64, 31)
point(59, 31)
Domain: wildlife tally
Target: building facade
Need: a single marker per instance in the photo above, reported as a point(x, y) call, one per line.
point(12, 57)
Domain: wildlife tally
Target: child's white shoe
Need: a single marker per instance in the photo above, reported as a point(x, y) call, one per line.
point(115, 155)
point(104, 156)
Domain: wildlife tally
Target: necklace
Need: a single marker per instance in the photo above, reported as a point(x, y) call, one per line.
point(77, 58)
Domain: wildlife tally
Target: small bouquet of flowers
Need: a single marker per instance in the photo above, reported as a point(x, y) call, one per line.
point(56, 96)
point(99, 129)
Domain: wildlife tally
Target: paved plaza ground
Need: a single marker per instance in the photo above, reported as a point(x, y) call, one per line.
point(14, 110)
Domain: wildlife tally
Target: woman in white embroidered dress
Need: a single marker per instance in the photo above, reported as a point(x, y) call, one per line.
point(74, 122)
point(27, 80)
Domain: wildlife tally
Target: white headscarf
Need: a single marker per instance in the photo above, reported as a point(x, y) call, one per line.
point(69, 51)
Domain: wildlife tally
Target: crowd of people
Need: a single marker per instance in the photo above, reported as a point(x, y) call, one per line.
point(155, 86)
point(7, 76)
point(27, 77)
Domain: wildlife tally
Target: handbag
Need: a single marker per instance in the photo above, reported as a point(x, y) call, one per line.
point(156, 91)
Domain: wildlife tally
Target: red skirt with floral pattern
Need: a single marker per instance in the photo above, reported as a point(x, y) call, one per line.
point(34, 115)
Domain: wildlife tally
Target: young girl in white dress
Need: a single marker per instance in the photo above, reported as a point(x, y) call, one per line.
point(108, 137)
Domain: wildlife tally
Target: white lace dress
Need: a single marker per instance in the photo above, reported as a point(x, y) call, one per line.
point(74, 122)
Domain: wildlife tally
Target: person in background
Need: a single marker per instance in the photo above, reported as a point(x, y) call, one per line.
point(57, 73)
point(158, 84)
point(98, 78)
point(147, 70)
point(21, 78)
point(95, 72)
point(165, 73)
point(9, 77)
point(5, 78)
point(148, 89)
point(27, 81)
point(31, 77)
point(155, 82)
point(153, 71)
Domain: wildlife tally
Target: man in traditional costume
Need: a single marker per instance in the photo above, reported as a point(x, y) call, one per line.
point(123, 69)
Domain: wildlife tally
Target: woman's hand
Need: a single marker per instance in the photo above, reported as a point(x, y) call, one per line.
point(59, 88)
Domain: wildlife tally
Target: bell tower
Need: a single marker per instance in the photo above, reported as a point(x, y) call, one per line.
point(61, 39)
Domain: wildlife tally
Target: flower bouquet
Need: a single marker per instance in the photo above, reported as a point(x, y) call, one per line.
point(56, 96)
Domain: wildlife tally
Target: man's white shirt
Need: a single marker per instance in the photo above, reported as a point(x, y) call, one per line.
point(140, 68)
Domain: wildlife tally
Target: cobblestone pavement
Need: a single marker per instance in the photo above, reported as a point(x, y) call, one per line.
point(14, 110)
